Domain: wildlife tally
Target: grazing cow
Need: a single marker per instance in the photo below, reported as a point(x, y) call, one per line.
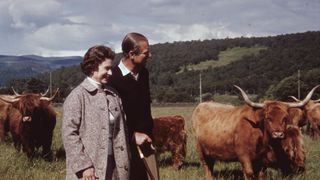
point(312, 112)
point(31, 120)
point(246, 133)
point(170, 135)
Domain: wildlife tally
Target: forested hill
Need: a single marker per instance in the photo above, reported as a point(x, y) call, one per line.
point(13, 67)
point(266, 66)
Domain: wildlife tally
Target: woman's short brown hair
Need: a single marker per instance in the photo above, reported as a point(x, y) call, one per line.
point(130, 43)
point(94, 57)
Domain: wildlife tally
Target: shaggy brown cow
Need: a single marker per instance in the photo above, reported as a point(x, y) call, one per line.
point(31, 121)
point(5, 109)
point(170, 135)
point(243, 133)
point(312, 111)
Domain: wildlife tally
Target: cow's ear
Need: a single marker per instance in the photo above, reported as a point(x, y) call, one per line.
point(16, 105)
point(44, 103)
point(254, 116)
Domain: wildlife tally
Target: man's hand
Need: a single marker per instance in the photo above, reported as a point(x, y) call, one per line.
point(141, 138)
point(88, 174)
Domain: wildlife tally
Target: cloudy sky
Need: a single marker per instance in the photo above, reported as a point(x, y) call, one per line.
point(70, 27)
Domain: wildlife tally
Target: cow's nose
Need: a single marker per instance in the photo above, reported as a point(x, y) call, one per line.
point(26, 119)
point(278, 134)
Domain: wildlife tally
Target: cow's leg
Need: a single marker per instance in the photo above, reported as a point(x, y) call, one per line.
point(178, 155)
point(206, 163)
point(3, 131)
point(261, 174)
point(16, 141)
point(209, 168)
point(27, 146)
point(29, 150)
point(315, 130)
point(16, 135)
point(247, 168)
point(258, 169)
point(46, 148)
point(308, 128)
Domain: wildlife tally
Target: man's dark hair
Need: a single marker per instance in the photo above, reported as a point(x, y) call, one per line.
point(130, 43)
point(94, 57)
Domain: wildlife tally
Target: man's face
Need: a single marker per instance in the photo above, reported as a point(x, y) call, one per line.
point(104, 72)
point(141, 59)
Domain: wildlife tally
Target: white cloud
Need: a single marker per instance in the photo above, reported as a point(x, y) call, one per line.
point(33, 14)
point(57, 27)
point(193, 32)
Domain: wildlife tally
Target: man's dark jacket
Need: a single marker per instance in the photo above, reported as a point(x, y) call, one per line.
point(136, 100)
point(135, 95)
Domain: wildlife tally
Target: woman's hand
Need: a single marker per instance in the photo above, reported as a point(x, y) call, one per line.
point(88, 174)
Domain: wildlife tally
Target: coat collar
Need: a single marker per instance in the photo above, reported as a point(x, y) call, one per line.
point(86, 84)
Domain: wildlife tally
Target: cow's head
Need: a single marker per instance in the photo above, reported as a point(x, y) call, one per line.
point(27, 103)
point(275, 114)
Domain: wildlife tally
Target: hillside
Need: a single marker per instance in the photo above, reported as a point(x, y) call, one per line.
point(13, 67)
point(224, 58)
point(257, 64)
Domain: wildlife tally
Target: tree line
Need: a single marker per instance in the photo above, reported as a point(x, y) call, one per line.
point(272, 73)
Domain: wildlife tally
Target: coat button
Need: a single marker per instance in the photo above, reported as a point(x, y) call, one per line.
point(126, 167)
point(121, 148)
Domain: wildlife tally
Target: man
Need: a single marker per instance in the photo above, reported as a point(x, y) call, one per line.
point(131, 79)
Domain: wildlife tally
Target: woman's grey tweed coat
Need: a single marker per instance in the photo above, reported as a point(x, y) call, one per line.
point(85, 128)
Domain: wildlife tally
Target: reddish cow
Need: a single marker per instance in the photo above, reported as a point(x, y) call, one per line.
point(31, 120)
point(312, 112)
point(248, 133)
point(170, 135)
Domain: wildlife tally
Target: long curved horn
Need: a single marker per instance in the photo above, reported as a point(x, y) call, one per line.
point(247, 100)
point(305, 101)
point(15, 92)
point(294, 98)
point(44, 94)
point(51, 98)
point(9, 99)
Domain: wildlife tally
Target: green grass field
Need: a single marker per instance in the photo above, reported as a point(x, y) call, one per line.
point(226, 57)
point(16, 166)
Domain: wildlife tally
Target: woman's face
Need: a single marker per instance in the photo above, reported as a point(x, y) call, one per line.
point(104, 72)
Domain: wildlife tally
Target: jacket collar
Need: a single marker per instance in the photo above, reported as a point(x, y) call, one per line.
point(86, 84)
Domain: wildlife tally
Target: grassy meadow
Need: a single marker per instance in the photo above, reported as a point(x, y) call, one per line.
point(226, 57)
point(16, 166)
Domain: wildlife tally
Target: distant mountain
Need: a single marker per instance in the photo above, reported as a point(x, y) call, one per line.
point(13, 67)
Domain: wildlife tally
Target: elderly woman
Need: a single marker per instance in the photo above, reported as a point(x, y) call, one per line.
point(94, 131)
